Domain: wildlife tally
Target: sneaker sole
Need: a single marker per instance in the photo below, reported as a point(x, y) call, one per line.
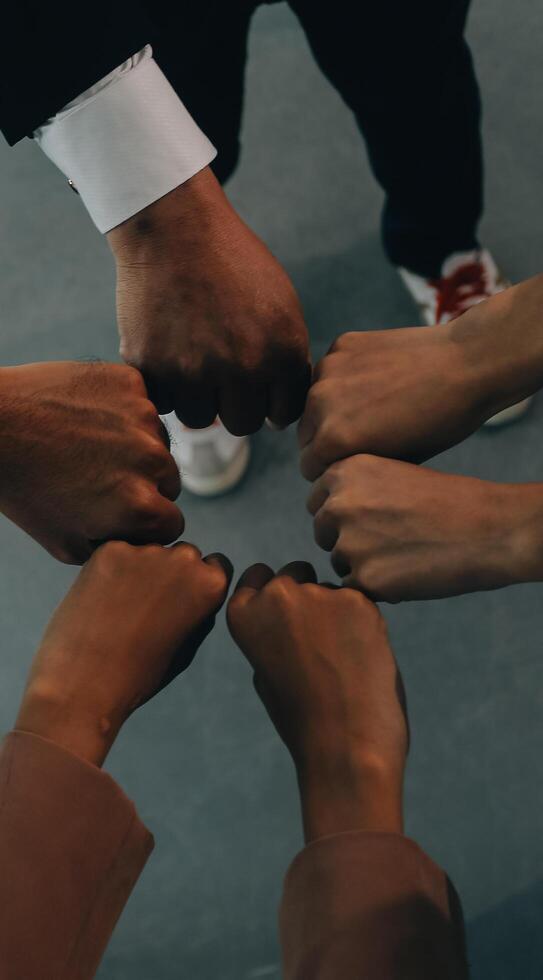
point(227, 479)
point(509, 415)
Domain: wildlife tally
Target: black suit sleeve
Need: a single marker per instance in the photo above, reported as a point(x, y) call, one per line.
point(53, 51)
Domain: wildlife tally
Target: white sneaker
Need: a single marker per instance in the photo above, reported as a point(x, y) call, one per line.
point(211, 461)
point(467, 278)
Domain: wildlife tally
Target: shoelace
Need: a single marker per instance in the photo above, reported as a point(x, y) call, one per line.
point(466, 287)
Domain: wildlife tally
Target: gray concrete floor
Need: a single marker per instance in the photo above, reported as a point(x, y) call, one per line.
point(202, 762)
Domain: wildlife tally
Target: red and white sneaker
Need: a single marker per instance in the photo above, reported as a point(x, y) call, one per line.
point(211, 461)
point(467, 278)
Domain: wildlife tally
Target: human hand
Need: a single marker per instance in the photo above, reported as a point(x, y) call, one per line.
point(132, 621)
point(406, 394)
point(83, 458)
point(207, 314)
point(399, 531)
point(325, 672)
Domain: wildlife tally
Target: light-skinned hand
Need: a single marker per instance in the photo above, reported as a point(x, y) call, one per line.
point(405, 394)
point(398, 531)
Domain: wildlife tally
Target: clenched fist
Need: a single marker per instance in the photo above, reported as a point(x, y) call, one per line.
point(131, 622)
point(399, 531)
point(407, 394)
point(207, 314)
point(325, 672)
point(83, 458)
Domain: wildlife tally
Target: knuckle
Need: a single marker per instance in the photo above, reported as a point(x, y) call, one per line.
point(326, 441)
point(352, 599)
point(334, 508)
point(313, 592)
point(144, 511)
point(282, 314)
point(374, 580)
point(343, 341)
point(237, 612)
point(336, 474)
point(149, 551)
point(188, 553)
point(326, 373)
point(190, 368)
point(148, 413)
point(155, 454)
point(319, 396)
point(112, 552)
point(142, 507)
point(215, 581)
point(145, 363)
point(367, 464)
point(114, 549)
point(249, 359)
point(281, 590)
point(133, 379)
point(151, 447)
point(359, 604)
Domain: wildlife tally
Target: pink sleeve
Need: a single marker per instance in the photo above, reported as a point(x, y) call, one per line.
point(71, 849)
point(363, 906)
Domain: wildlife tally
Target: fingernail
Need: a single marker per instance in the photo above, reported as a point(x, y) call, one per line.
point(223, 561)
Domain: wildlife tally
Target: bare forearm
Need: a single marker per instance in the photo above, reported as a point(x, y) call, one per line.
point(502, 341)
point(67, 722)
point(346, 794)
point(527, 539)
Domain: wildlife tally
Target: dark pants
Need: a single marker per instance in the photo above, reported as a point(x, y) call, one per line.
point(404, 69)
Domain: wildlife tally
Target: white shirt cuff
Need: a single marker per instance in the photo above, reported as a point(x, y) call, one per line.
point(126, 142)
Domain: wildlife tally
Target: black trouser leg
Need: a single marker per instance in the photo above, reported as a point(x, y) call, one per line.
point(202, 49)
point(405, 70)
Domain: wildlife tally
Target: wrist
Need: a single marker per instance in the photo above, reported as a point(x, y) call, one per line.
point(153, 229)
point(350, 792)
point(500, 343)
point(524, 518)
point(73, 725)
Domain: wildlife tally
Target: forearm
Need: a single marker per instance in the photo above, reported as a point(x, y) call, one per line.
point(523, 518)
point(502, 344)
point(13, 430)
point(347, 794)
point(68, 721)
point(170, 221)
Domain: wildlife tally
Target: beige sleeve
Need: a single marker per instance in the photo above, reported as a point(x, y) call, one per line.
point(364, 906)
point(71, 849)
